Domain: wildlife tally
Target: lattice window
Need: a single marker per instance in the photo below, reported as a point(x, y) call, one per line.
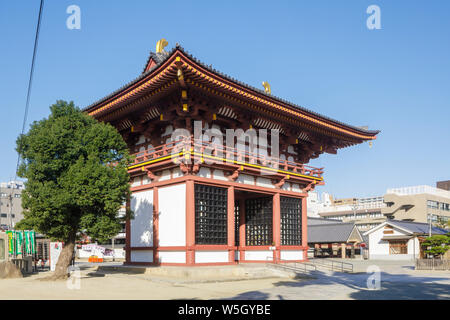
point(210, 215)
point(258, 221)
point(398, 246)
point(291, 221)
point(237, 217)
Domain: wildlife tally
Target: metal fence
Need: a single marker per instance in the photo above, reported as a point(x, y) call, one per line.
point(293, 266)
point(332, 264)
point(432, 264)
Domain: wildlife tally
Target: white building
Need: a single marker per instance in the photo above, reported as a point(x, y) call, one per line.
point(317, 203)
point(398, 240)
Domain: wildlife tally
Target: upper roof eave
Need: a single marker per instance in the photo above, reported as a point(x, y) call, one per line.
point(177, 48)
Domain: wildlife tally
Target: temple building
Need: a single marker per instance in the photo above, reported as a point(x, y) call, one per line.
point(219, 174)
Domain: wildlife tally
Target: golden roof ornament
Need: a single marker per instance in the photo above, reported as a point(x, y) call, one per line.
point(160, 45)
point(266, 86)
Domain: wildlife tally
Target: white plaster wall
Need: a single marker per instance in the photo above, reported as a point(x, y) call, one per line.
point(259, 255)
point(211, 256)
point(379, 249)
point(219, 175)
point(244, 178)
point(204, 172)
point(136, 182)
point(172, 215)
point(296, 188)
point(141, 139)
point(264, 182)
point(146, 180)
point(172, 256)
point(142, 256)
point(177, 173)
point(291, 150)
point(141, 226)
point(168, 131)
point(165, 175)
point(291, 254)
point(286, 186)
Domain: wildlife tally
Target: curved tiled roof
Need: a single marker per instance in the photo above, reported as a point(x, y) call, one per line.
point(162, 58)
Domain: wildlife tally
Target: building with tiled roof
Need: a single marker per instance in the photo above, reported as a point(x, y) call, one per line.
point(220, 172)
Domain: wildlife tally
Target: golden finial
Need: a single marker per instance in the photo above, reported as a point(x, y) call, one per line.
point(160, 45)
point(266, 86)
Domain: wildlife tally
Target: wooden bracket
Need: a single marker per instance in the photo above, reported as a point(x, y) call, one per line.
point(153, 177)
point(310, 187)
point(233, 176)
point(279, 184)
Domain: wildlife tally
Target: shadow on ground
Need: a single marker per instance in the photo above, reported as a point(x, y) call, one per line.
point(355, 286)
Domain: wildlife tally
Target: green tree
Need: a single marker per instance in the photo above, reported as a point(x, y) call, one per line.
point(77, 178)
point(437, 245)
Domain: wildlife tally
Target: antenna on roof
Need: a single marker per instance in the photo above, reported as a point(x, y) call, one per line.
point(160, 45)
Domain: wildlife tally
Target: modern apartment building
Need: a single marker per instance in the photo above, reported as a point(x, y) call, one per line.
point(364, 212)
point(418, 204)
point(10, 203)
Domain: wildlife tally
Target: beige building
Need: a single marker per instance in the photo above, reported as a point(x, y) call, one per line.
point(417, 204)
point(10, 203)
point(345, 201)
point(405, 204)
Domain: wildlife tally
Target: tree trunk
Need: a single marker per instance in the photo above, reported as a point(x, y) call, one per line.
point(65, 258)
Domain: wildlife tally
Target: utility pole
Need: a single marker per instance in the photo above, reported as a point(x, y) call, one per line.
point(11, 196)
point(430, 216)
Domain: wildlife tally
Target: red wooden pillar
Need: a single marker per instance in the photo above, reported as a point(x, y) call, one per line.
point(230, 224)
point(276, 220)
point(155, 226)
point(304, 229)
point(190, 222)
point(242, 239)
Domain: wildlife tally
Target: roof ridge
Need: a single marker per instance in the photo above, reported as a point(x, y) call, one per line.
point(332, 224)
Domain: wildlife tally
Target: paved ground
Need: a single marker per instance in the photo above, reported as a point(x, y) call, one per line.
point(398, 281)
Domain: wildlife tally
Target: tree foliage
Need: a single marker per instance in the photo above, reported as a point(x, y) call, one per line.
point(76, 171)
point(437, 245)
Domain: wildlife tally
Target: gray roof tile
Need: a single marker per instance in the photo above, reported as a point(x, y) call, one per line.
point(326, 233)
point(417, 227)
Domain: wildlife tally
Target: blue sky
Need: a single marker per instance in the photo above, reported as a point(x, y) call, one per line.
point(318, 54)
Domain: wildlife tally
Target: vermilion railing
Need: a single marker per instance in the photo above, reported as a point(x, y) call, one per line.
point(198, 149)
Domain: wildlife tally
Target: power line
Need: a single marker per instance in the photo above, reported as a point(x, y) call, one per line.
point(27, 104)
